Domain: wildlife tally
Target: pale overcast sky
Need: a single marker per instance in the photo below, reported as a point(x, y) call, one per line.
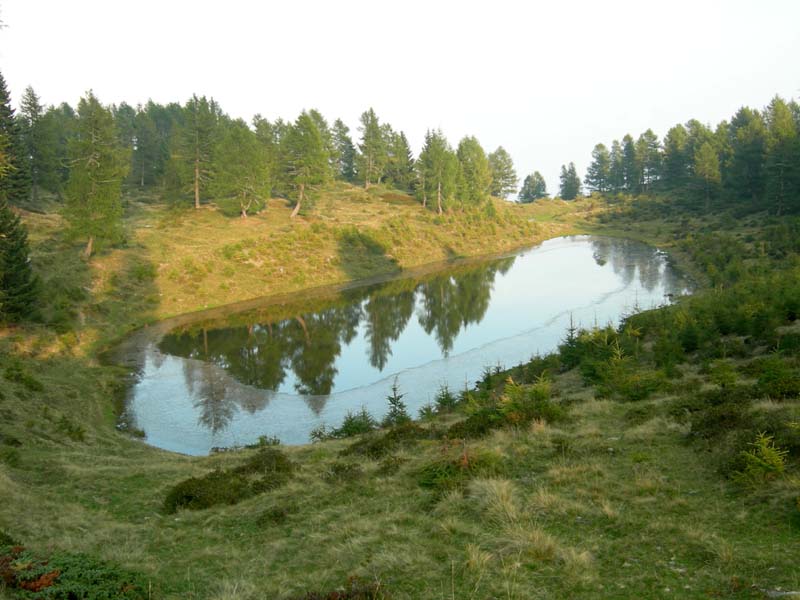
point(547, 80)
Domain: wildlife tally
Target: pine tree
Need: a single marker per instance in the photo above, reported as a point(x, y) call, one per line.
point(477, 174)
point(570, 182)
point(504, 177)
point(19, 287)
point(16, 185)
point(533, 188)
point(598, 175)
point(98, 166)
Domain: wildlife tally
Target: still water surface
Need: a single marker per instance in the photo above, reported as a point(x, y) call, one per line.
point(284, 368)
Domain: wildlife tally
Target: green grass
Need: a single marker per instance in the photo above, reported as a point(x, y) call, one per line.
point(588, 486)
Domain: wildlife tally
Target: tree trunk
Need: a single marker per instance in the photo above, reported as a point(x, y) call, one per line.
point(196, 184)
point(439, 196)
point(305, 328)
point(299, 200)
point(244, 206)
point(87, 253)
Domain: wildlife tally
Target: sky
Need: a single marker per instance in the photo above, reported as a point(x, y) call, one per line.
point(546, 80)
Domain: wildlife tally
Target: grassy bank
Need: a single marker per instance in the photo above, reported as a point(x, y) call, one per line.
point(608, 471)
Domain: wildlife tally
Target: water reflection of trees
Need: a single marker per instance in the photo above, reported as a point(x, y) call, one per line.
point(259, 352)
point(630, 259)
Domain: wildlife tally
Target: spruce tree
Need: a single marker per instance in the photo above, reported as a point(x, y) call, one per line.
point(19, 287)
point(598, 175)
point(533, 188)
point(98, 166)
point(437, 171)
point(570, 182)
point(241, 169)
point(16, 185)
point(373, 152)
point(345, 157)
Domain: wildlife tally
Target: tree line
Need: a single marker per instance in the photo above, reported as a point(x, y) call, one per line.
point(753, 158)
point(194, 152)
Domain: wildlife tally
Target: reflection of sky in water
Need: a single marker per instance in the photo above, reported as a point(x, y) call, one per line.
point(486, 315)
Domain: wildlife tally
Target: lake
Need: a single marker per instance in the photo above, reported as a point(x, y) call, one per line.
point(284, 366)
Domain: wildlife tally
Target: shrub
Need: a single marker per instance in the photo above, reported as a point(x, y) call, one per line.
point(764, 462)
point(266, 470)
point(447, 474)
point(16, 374)
point(343, 472)
point(378, 445)
point(65, 576)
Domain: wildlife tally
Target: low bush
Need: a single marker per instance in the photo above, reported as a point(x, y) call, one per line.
point(266, 470)
point(448, 474)
point(343, 472)
point(377, 445)
point(64, 576)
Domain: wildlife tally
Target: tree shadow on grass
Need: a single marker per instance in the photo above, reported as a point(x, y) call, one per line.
point(362, 256)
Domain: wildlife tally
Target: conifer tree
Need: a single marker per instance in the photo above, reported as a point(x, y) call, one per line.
point(345, 157)
point(648, 153)
point(631, 165)
point(617, 168)
point(476, 171)
point(570, 182)
point(598, 175)
point(706, 169)
point(98, 166)
point(241, 168)
point(533, 188)
point(783, 156)
point(437, 171)
point(504, 177)
point(675, 171)
point(400, 163)
point(16, 185)
point(373, 153)
point(19, 287)
point(748, 139)
point(306, 158)
point(192, 152)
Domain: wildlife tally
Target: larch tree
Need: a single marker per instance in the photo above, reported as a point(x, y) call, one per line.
point(533, 188)
point(706, 169)
point(98, 165)
point(504, 177)
point(570, 182)
point(476, 173)
point(648, 153)
point(241, 169)
point(437, 171)
point(306, 158)
point(598, 175)
point(631, 165)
